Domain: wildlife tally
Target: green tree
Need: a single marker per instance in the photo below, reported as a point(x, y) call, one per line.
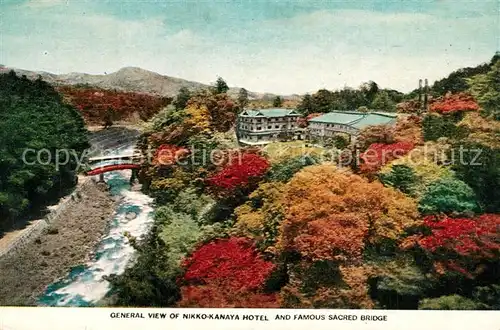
point(243, 98)
point(277, 102)
point(486, 89)
point(383, 102)
point(221, 86)
point(323, 100)
point(479, 167)
point(400, 177)
point(449, 196)
point(150, 282)
point(306, 106)
point(286, 169)
point(370, 89)
point(182, 98)
point(435, 126)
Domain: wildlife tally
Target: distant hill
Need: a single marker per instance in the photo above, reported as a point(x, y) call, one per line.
point(131, 79)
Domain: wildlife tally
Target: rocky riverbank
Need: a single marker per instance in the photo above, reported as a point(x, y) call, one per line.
point(67, 242)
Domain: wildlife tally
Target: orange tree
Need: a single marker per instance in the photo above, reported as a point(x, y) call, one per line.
point(332, 218)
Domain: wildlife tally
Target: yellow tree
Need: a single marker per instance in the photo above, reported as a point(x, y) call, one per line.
point(198, 117)
point(260, 217)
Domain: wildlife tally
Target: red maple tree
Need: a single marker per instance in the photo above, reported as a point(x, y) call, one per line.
point(462, 245)
point(227, 273)
point(240, 173)
point(479, 237)
point(454, 103)
point(233, 263)
point(94, 102)
point(379, 154)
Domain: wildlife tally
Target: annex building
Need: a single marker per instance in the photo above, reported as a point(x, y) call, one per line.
point(262, 126)
point(348, 122)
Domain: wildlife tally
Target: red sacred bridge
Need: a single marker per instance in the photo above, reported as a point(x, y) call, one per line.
point(115, 167)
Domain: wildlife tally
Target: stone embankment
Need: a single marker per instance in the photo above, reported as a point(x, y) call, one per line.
point(49, 248)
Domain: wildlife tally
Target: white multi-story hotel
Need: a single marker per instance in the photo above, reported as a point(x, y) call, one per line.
point(266, 125)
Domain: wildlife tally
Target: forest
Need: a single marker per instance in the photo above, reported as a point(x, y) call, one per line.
point(101, 106)
point(280, 226)
point(34, 116)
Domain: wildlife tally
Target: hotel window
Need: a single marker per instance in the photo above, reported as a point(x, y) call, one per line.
point(269, 127)
point(276, 126)
point(259, 128)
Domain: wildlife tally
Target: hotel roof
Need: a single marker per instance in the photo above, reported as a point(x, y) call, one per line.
point(356, 119)
point(273, 112)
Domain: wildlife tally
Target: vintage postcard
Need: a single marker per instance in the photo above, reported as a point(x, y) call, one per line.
point(249, 164)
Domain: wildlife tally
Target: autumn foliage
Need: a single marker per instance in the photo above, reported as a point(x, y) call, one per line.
point(239, 174)
point(226, 273)
point(168, 154)
point(208, 112)
point(460, 244)
point(94, 102)
point(454, 103)
point(409, 129)
point(379, 154)
point(464, 236)
point(332, 214)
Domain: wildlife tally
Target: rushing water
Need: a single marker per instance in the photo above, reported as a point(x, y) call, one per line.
point(84, 285)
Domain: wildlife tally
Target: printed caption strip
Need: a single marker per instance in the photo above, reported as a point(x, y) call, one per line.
point(24, 318)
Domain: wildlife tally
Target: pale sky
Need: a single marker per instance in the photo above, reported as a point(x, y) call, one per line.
point(265, 46)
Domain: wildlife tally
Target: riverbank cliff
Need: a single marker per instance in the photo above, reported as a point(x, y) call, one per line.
point(68, 241)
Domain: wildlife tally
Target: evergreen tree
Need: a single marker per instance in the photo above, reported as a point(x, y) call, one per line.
point(221, 86)
point(243, 98)
point(277, 102)
point(306, 106)
point(383, 102)
point(182, 98)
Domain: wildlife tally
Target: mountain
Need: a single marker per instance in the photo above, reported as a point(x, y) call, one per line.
point(131, 79)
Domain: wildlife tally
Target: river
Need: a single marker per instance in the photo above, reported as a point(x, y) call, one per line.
point(84, 285)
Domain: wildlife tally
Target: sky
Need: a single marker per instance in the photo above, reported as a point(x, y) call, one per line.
point(279, 46)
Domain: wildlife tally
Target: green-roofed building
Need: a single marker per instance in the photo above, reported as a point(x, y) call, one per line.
point(262, 126)
point(348, 122)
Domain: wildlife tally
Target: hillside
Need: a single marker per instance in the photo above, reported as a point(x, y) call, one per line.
point(131, 79)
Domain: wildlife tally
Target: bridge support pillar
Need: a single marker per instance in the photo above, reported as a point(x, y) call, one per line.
point(134, 176)
point(101, 177)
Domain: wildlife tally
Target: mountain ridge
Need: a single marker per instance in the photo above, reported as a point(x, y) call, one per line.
point(132, 79)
